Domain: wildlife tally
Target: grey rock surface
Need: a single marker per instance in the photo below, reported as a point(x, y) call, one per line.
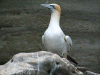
point(39, 63)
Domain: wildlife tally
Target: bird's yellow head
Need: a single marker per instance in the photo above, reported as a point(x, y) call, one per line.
point(52, 7)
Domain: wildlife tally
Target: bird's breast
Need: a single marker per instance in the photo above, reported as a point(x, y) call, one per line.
point(54, 39)
point(54, 34)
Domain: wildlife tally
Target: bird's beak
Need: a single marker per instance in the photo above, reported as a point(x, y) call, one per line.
point(46, 5)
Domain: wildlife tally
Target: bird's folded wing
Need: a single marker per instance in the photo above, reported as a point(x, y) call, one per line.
point(43, 40)
point(68, 46)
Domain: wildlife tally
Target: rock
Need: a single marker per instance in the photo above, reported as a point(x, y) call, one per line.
point(39, 63)
point(90, 73)
point(82, 69)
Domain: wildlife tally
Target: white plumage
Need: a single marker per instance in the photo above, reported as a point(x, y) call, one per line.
point(54, 39)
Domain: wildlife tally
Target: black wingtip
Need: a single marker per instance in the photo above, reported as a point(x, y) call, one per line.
point(71, 59)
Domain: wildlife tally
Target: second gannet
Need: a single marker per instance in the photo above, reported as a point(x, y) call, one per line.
point(54, 38)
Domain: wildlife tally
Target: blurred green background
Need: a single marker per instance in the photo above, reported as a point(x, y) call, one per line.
point(23, 22)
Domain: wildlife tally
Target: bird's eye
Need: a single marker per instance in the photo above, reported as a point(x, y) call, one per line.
point(53, 6)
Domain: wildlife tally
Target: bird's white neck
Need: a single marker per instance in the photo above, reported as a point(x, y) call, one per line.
point(55, 18)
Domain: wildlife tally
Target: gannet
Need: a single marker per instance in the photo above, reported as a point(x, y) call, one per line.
point(54, 38)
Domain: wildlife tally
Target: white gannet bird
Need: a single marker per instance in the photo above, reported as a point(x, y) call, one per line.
point(54, 39)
